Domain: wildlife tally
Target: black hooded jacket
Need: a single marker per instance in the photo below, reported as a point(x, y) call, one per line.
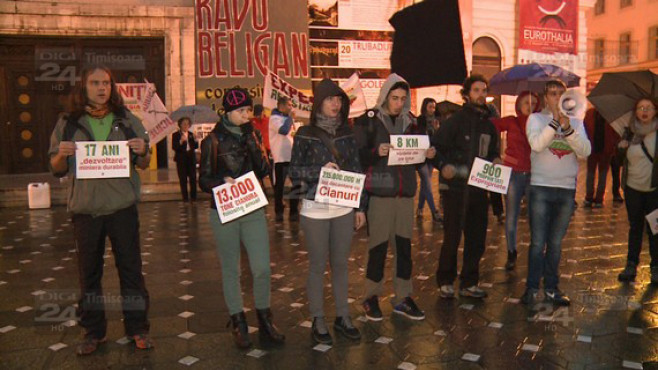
point(310, 154)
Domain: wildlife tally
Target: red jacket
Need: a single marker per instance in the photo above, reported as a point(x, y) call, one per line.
point(517, 153)
point(262, 125)
point(611, 138)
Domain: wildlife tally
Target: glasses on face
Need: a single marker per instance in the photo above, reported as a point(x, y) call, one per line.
point(646, 109)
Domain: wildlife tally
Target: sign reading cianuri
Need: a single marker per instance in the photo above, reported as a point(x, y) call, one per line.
point(240, 198)
point(340, 188)
point(102, 159)
point(408, 149)
point(489, 176)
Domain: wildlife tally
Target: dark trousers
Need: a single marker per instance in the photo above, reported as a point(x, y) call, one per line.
point(600, 162)
point(280, 175)
point(187, 170)
point(638, 205)
point(496, 200)
point(615, 172)
point(458, 206)
point(122, 227)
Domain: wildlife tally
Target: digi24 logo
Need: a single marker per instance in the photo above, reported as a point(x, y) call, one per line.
point(56, 64)
point(55, 307)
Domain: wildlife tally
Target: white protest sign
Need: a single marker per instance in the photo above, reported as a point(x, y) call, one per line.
point(144, 102)
point(102, 159)
point(408, 149)
point(340, 188)
point(489, 176)
point(652, 219)
point(276, 87)
point(240, 198)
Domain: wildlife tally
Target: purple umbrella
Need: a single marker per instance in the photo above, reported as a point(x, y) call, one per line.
point(529, 77)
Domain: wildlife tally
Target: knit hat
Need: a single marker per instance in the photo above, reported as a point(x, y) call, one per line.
point(236, 98)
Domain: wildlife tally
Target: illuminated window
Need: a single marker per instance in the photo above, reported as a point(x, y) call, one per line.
point(624, 48)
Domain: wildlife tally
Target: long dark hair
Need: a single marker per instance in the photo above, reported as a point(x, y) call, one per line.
point(424, 104)
point(80, 99)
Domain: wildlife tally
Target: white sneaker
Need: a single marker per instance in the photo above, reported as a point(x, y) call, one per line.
point(447, 291)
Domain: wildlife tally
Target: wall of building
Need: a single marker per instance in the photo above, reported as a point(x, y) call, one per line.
point(637, 19)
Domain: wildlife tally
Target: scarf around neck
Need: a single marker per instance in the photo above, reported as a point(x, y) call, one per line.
point(233, 129)
point(328, 124)
point(641, 130)
point(97, 112)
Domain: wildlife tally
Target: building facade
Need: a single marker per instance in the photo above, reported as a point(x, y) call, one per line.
point(623, 36)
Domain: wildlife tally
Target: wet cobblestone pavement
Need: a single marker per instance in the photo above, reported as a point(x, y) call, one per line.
point(608, 326)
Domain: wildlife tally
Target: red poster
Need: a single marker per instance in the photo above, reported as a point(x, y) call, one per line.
point(548, 26)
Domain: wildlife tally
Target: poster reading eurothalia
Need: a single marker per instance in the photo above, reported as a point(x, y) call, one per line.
point(238, 41)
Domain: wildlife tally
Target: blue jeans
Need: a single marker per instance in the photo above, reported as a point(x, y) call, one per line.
point(425, 172)
point(550, 214)
point(518, 184)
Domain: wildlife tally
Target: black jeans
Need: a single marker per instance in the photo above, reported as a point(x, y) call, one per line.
point(638, 205)
point(615, 171)
point(187, 170)
point(496, 200)
point(122, 227)
point(280, 175)
point(460, 205)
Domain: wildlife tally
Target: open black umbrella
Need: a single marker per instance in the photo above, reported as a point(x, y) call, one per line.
point(196, 114)
point(428, 47)
point(617, 92)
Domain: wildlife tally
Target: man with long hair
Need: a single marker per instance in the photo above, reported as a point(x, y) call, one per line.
point(104, 207)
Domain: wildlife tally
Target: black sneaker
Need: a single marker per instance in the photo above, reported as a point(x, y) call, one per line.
point(293, 217)
point(629, 273)
point(319, 331)
point(371, 307)
point(529, 297)
point(278, 217)
point(617, 199)
point(344, 326)
point(556, 297)
point(409, 309)
point(511, 260)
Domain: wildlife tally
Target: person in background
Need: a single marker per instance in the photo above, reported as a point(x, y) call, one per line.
point(639, 149)
point(557, 143)
point(427, 123)
point(517, 156)
point(327, 142)
point(104, 207)
point(232, 149)
point(466, 135)
point(184, 145)
point(262, 124)
point(281, 127)
point(603, 139)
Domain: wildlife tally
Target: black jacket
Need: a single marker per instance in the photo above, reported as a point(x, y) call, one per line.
point(180, 153)
point(383, 180)
point(236, 156)
point(467, 134)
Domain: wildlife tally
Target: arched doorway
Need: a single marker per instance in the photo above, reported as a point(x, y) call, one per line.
point(487, 60)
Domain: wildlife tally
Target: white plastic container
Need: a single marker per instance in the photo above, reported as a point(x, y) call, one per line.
point(38, 195)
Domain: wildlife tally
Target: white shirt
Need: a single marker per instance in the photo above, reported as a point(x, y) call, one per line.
point(640, 167)
point(554, 156)
point(280, 145)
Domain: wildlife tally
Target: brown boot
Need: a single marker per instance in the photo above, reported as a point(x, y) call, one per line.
point(266, 328)
point(240, 330)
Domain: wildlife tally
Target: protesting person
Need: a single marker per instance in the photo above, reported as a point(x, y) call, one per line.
point(603, 140)
point(327, 142)
point(466, 135)
point(184, 145)
point(638, 148)
point(517, 156)
point(391, 191)
point(428, 123)
point(231, 150)
point(104, 207)
point(281, 128)
point(557, 142)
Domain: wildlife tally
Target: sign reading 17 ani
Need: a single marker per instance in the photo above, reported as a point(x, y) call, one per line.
point(408, 149)
point(102, 159)
point(240, 198)
point(489, 176)
point(340, 188)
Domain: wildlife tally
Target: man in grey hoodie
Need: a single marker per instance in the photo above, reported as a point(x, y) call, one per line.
point(391, 192)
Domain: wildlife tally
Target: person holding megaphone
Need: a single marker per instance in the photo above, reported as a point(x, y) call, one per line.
point(558, 139)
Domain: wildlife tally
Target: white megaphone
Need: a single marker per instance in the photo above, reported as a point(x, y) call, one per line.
point(573, 103)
